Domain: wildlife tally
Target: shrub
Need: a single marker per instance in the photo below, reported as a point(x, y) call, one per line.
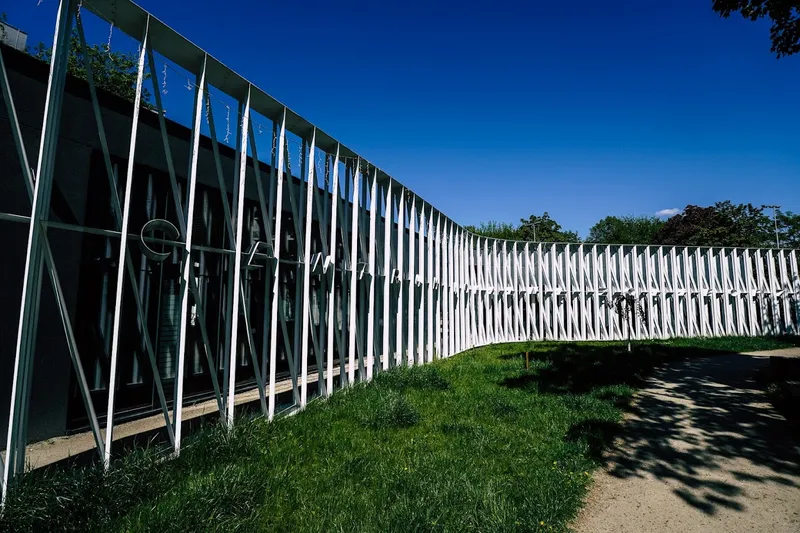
point(392, 410)
point(425, 377)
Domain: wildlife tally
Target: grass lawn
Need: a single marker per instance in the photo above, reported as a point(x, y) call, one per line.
point(472, 443)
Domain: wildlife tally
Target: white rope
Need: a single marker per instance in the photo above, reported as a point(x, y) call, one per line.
point(300, 156)
point(227, 125)
point(108, 45)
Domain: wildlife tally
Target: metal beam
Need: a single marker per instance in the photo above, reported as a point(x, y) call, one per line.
point(123, 248)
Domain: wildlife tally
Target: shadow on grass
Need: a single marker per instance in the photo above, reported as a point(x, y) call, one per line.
point(581, 368)
point(598, 434)
point(702, 412)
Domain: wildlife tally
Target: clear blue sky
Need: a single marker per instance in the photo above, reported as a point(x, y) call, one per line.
point(497, 110)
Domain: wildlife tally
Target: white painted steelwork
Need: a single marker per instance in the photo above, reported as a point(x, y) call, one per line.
point(381, 277)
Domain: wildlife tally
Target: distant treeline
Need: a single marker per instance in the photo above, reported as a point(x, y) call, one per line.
point(721, 224)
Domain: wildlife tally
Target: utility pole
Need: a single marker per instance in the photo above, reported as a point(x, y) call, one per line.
point(775, 220)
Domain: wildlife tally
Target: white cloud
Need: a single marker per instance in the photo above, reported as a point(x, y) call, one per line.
point(668, 212)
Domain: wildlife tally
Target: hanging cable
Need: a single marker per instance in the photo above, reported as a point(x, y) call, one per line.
point(108, 44)
point(228, 125)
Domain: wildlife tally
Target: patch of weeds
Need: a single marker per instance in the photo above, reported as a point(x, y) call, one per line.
point(526, 381)
point(580, 403)
point(502, 408)
point(595, 435)
point(391, 410)
point(619, 396)
point(76, 499)
point(425, 377)
point(457, 428)
point(220, 498)
point(470, 435)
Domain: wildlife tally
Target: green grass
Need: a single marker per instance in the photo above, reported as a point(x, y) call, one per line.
point(470, 443)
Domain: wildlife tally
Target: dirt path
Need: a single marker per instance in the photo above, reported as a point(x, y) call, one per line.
point(702, 450)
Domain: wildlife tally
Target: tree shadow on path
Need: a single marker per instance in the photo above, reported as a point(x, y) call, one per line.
point(705, 425)
point(700, 423)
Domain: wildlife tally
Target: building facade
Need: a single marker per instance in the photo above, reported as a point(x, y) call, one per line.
point(148, 265)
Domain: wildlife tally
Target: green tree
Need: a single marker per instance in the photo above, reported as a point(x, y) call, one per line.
point(534, 228)
point(625, 230)
point(114, 72)
point(545, 229)
point(784, 14)
point(497, 230)
point(723, 224)
point(789, 229)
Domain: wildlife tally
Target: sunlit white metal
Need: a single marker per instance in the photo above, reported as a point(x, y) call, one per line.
point(14, 420)
point(429, 280)
point(419, 281)
point(401, 269)
point(438, 289)
point(773, 294)
point(461, 322)
point(373, 218)
point(187, 264)
point(794, 287)
point(488, 283)
point(332, 274)
point(460, 307)
point(237, 261)
point(273, 332)
point(351, 371)
point(412, 288)
point(115, 339)
point(311, 180)
point(31, 287)
point(445, 289)
point(387, 276)
point(451, 318)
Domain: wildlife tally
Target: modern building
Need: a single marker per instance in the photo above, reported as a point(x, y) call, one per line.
point(87, 260)
point(148, 266)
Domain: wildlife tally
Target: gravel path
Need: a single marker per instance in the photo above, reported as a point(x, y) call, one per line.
point(702, 450)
